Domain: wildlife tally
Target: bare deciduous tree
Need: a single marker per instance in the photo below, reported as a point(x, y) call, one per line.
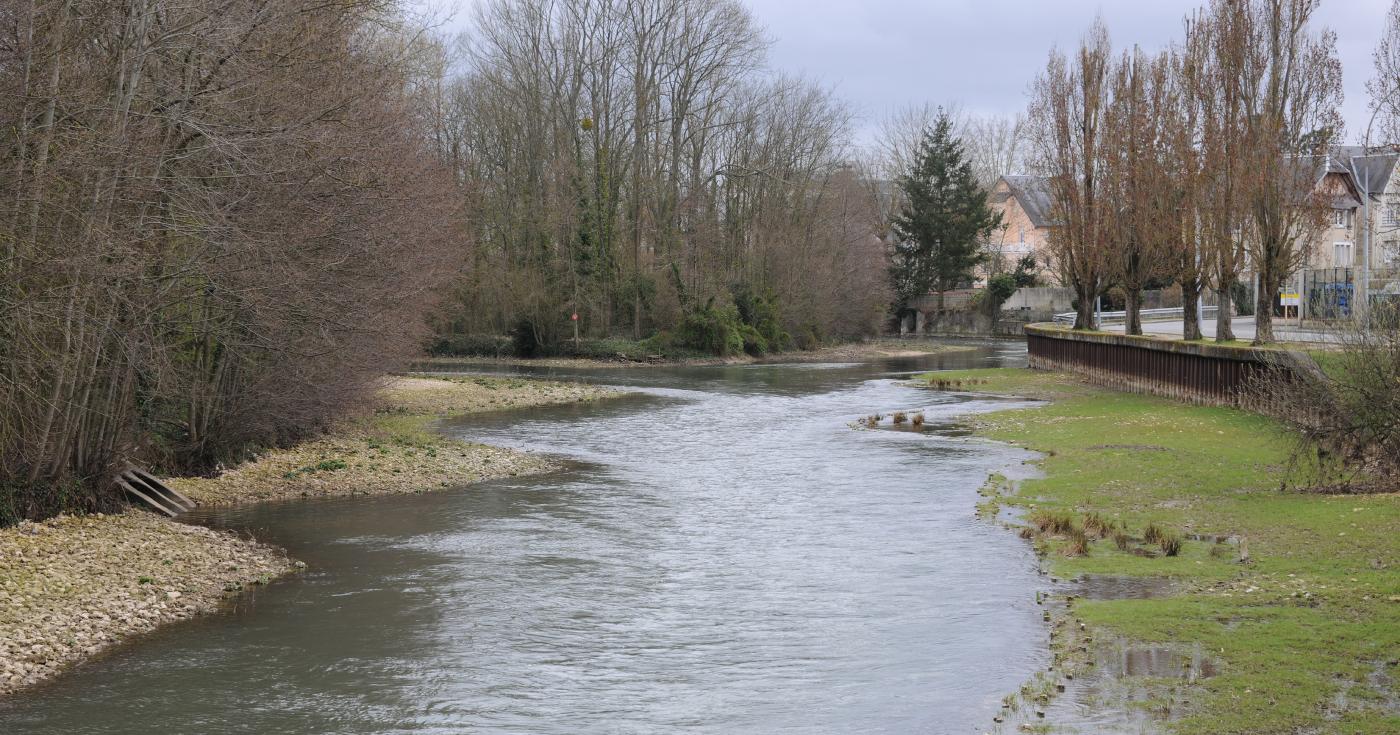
point(1067, 118)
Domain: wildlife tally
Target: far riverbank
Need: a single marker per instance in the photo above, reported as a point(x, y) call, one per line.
point(876, 349)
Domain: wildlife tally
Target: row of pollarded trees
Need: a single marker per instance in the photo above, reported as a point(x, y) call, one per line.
point(630, 160)
point(216, 219)
point(1192, 164)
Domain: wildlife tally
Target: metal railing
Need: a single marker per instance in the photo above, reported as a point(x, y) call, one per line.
point(1148, 315)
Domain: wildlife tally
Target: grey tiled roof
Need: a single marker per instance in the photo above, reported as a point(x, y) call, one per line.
point(1372, 170)
point(1033, 192)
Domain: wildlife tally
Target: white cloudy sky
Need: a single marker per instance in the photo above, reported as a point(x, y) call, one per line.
point(982, 54)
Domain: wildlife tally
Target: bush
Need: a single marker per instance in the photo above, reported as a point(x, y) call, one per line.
point(1344, 405)
point(525, 339)
point(471, 345)
point(716, 331)
point(760, 311)
point(809, 338)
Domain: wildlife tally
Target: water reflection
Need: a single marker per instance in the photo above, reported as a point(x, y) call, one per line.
point(724, 555)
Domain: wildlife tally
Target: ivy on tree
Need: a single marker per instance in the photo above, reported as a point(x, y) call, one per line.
point(943, 221)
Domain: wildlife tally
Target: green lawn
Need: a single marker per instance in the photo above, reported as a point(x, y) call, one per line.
point(1306, 632)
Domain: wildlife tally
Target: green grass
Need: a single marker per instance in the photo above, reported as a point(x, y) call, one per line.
point(1308, 621)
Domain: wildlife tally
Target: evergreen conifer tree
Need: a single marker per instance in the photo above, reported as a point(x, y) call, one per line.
point(943, 222)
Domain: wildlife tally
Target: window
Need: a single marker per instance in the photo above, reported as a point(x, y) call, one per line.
point(1342, 255)
point(1392, 214)
point(1339, 218)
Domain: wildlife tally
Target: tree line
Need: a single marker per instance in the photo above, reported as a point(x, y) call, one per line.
point(633, 163)
point(220, 221)
point(1193, 164)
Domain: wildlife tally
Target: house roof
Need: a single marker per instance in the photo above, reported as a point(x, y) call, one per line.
point(1033, 194)
point(1372, 170)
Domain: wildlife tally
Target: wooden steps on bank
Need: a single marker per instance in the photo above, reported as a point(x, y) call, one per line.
point(141, 487)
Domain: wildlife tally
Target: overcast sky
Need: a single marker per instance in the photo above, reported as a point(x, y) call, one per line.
point(982, 54)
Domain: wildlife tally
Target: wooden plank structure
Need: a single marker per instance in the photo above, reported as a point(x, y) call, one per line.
point(1196, 372)
point(145, 489)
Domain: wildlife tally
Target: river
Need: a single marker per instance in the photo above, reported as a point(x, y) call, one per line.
point(724, 554)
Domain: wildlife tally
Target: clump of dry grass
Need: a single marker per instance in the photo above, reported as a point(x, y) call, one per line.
point(1170, 544)
point(1056, 524)
point(1096, 527)
point(1121, 539)
point(1153, 534)
point(1076, 544)
point(898, 417)
point(917, 419)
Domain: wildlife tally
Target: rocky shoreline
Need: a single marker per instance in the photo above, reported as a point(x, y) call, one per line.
point(72, 587)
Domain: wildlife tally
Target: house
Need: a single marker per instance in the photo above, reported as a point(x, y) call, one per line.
point(1335, 245)
point(1375, 173)
point(1025, 205)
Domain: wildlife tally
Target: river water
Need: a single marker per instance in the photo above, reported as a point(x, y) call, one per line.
point(724, 554)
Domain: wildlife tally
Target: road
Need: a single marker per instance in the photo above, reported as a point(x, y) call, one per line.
point(1243, 327)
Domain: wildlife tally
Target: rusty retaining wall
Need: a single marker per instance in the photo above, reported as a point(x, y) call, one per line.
point(1189, 371)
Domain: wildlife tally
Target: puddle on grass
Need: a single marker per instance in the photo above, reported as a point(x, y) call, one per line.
point(1127, 689)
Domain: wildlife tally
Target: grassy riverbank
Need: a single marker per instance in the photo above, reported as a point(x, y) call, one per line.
point(72, 586)
point(1299, 607)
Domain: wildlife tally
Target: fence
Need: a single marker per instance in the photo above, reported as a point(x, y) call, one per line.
point(1188, 371)
point(1332, 293)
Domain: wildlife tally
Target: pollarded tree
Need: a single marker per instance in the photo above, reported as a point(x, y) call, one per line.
point(944, 219)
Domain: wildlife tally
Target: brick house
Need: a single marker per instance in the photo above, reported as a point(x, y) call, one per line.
point(1025, 204)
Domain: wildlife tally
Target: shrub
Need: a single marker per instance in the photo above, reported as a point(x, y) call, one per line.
point(760, 311)
point(470, 345)
point(716, 331)
point(1153, 534)
point(1343, 405)
point(525, 339)
point(809, 338)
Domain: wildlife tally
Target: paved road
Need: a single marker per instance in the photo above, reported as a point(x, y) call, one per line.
point(1243, 327)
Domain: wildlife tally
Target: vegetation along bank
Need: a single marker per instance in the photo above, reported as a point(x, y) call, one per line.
point(72, 586)
point(1293, 595)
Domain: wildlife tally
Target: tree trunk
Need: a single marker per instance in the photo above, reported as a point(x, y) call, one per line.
point(1264, 305)
point(1084, 313)
point(1190, 315)
point(1223, 330)
point(1132, 321)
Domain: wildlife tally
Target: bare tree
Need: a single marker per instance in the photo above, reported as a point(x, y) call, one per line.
point(1137, 175)
point(1067, 118)
point(1289, 85)
point(222, 225)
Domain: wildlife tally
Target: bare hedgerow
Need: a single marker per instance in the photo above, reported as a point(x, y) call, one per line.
point(1344, 404)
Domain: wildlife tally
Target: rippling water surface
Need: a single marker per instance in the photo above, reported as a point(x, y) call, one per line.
point(723, 555)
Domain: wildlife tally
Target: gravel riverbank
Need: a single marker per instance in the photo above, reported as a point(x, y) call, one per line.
point(71, 587)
